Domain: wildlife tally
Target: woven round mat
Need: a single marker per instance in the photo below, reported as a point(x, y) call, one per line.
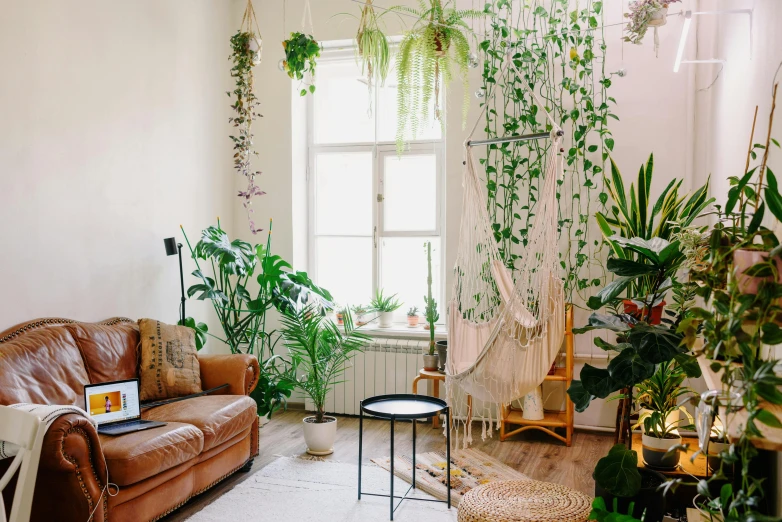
point(524, 501)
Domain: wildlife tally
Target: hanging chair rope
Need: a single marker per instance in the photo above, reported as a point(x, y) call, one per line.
point(504, 332)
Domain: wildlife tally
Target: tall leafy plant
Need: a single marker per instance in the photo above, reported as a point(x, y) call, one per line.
point(431, 315)
point(244, 56)
point(559, 48)
point(437, 46)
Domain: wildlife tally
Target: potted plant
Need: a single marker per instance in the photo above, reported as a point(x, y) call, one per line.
point(659, 397)
point(301, 50)
point(644, 14)
point(385, 306)
point(362, 314)
point(319, 351)
point(372, 49)
point(412, 317)
point(430, 313)
point(428, 54)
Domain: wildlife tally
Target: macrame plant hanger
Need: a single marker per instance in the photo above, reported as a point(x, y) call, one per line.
point(503, 335)
point(250, 25)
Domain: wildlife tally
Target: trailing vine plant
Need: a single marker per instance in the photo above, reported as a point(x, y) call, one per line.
point(438, 42)
point(301, 50)
point(244, 55)
point(559, 48)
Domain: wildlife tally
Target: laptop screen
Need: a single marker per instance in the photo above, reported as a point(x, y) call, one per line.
point(112, 401)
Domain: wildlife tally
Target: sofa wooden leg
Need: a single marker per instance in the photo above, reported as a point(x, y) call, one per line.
point(247, 466)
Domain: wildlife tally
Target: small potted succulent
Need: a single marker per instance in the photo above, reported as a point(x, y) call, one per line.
point(301, 50)
point(644, 14)
point(412, 317)
point(385, 306)
point(362, 314)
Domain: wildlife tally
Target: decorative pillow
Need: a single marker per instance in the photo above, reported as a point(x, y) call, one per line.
point(169, 365)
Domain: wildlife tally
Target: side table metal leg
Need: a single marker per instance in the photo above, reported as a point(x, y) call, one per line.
point(448, 453)
point(392, 468)
point(414, 423)
point(360, 446)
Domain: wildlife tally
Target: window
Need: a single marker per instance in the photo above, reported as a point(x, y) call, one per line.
point(371, 210)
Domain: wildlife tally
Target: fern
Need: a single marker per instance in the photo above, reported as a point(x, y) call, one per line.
point(430, 53)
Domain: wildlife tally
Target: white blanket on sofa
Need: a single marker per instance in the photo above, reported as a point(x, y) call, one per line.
point(48, 414)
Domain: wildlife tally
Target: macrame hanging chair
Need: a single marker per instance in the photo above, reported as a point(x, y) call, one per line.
point(504, 329)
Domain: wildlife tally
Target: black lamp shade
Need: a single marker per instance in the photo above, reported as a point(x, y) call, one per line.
point(171, 246)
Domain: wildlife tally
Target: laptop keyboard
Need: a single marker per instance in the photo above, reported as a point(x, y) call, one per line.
point(121, 426)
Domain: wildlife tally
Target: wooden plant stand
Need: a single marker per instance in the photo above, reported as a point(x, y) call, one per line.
point(551, 419)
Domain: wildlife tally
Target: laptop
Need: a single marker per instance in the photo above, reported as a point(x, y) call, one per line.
point(116, 407)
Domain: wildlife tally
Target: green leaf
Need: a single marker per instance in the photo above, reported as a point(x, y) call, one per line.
point(735, 192)
point(769, 392)
point(628, 268)
point(580, 397)
point(610, 143)
point(689, 364)
point(618, 473)
point(609, 292)
point(628, 368)
point(772, 196)
point(655, 344)
point(603, 321)
point(768, 418)
point(597, 381)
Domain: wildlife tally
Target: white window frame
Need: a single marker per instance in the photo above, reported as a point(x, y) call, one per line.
point(379, 150)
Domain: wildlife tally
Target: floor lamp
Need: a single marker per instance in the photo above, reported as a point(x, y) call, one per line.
point(173, 248)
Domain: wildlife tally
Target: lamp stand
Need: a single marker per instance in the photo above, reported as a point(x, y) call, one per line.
point(182, 284)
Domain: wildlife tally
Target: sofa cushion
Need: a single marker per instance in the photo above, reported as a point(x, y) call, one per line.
point(44, 367)
point(219, 417)
point(133, 457)
point(110, 353)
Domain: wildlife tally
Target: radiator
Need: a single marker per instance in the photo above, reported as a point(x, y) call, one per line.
point(385, 366)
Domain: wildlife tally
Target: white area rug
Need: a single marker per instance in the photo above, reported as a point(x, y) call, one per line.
point(296, 490)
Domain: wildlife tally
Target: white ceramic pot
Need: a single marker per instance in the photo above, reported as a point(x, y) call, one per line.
point(320, 437)
point(256, 47)
point(386, 319)
point(713, 451)
point(655, 452)
point(659, 18)
point(532, 405)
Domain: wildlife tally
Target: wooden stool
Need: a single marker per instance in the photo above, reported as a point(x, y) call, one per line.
point(434, 375)
point(524, 501)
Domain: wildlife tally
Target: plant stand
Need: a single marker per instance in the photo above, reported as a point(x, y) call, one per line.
point(551, 419)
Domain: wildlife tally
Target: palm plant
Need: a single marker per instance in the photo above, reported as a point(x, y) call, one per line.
point(438, 42)
point(660, 395)
point(319, 351)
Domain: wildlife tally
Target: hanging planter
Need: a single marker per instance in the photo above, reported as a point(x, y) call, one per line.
point(372, 51)
point(436, 47)
point(301, 50)
point(253, 40)
point(644, 14)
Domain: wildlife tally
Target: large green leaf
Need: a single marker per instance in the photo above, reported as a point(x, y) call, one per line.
point(628, 268)
point(609, 292)
point(200, 330)
point(618, 473)
point(629, 368)
point(603, 321)
point(578, 394)
point(597, 381)
point(654, 343)
point(772, 196)
point(235, 257)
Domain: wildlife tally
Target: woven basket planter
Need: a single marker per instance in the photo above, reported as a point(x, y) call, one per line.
point(524, 501)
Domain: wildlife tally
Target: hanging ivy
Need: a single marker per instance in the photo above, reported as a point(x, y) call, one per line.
point(559, 49)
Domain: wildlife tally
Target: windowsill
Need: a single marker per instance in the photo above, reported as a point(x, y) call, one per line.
point(402, 331)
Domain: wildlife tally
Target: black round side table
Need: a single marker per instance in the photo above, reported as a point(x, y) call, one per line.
point(404, 406)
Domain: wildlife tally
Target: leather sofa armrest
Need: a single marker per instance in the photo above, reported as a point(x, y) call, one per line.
point(72, 473)
point(240, 371)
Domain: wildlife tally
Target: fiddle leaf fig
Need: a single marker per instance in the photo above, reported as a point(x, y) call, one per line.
point(629, 368)
point(618, 473)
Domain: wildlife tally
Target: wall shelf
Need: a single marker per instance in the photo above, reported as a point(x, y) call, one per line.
point(551, 419)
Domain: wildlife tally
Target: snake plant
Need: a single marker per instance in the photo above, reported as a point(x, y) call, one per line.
point(437, 46)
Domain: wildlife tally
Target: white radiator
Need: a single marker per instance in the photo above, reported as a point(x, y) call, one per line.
point(385, 366)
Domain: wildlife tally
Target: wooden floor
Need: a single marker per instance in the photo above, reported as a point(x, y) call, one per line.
point(532, 453)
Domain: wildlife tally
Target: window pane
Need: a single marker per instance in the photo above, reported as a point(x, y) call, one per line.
point(403, 272)
point(386, 113)
point(345, 268)
point(342, 177)
point(342, 104)
point(410, 193)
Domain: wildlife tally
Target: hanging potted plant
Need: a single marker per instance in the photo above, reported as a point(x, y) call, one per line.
point(644, 14)
point(412, 317)
point(372, 49)
point(301, 50)
point(385, 307)
point(430, 53)
point(319, 351)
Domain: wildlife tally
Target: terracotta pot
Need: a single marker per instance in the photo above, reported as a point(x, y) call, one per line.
point(412, 321)
point(655, 452)
point(430, 363)
point(632, 309)
point(340, 320)
point(320, 437)
point(743, 260)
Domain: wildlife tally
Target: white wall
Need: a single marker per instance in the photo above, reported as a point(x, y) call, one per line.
point(113, 132)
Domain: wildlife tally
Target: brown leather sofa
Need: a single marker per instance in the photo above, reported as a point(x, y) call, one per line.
point(205, 440)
